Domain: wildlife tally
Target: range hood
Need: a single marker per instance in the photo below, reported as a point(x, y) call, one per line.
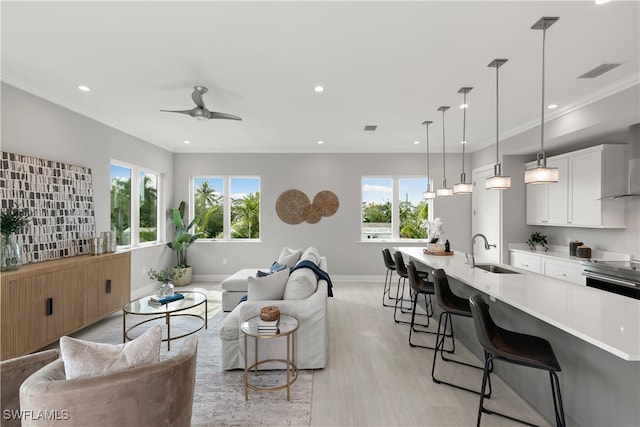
point(633, 152)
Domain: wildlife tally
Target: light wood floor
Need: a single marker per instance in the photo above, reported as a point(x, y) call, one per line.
point(374, 378)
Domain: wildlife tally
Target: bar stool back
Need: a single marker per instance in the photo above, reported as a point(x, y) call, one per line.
point(402, 303)
point(391, 267)
point(517, 348)
point(451, 305)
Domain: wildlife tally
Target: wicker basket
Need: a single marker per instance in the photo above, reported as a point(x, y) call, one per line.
point(269, 313)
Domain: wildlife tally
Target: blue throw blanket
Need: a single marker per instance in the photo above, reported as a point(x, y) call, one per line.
point(318, 271)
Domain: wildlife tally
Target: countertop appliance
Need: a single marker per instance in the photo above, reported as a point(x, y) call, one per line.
point(619, 277)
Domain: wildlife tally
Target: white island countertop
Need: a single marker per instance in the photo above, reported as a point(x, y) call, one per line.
point(604, 319)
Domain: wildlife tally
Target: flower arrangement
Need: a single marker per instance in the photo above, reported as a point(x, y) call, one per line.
point(434, 229)
point(13, 219)
point(167, 275)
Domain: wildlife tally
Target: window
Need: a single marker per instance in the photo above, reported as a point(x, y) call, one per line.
point(393, 208)
point(234, 217)
point(134, 204)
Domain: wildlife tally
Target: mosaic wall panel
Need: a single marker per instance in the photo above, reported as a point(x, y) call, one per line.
point(60, 196)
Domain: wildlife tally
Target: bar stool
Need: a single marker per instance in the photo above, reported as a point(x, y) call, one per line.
point(451, 305)
point(517, 348)
point(391, 267)
point(419, 286)
point(403, 274)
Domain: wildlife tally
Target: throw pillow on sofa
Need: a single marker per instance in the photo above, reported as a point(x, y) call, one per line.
point(89, 359)
point(289, 257)
point(302, 284)
point(269, 287)
point(311, 254)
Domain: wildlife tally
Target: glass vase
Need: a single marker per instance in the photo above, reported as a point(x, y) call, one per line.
point(166, 290)
point(11, 253)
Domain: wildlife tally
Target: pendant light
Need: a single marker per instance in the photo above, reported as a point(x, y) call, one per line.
point(497, 181)
point(444, 191)
point(428, 193)
point(463, 187)
point(541, 174)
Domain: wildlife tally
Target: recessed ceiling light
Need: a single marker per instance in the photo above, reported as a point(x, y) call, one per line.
point(602, 1)
point(319, 89)
point(84, 88)
point(320, 142)
point(416, 142)
point(187, 142)
point(552, 106)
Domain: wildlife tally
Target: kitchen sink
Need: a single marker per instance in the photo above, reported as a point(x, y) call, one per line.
point(492, 268)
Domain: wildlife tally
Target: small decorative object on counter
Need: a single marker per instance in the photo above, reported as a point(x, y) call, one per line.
point(434, 229)
point(537, 239)
point(583, 251)
point(447, 246)
point(573, 245)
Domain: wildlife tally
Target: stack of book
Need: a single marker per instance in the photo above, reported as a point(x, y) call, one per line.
point(268, 327)
point(158, 300)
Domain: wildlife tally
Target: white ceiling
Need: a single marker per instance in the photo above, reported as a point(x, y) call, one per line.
point(390, 64)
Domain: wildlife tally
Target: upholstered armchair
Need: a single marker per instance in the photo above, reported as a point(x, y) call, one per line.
point(160, 394)
point(13, 372)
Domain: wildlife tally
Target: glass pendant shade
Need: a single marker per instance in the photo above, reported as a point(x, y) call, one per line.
point(463, 188)
point(541, 174)
point(429, 194)
point(497, 181)
point(444, 191)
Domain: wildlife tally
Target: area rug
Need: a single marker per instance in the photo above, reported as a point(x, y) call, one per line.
point(219, 395)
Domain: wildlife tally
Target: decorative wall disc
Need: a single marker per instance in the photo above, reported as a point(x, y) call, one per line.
point(290, 206)
point(326, 203)
point(294, 207)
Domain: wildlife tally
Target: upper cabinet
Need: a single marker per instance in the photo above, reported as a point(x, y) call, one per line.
point(585, 177)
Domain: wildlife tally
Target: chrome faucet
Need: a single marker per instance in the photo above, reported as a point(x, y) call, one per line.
point(471, 260)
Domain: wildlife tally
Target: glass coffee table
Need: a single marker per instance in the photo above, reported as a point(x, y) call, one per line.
point(143, 307)
point(286, 328)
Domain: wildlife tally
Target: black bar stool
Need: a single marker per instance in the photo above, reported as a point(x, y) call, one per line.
point(419, 286)
point(451, 305)
point(517, 348)
point(403, 274)
point(391, 267)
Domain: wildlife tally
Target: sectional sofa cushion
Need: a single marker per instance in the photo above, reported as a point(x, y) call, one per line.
point(302, 284)
point(269, 287)
point(84, 359)
point(289, 257)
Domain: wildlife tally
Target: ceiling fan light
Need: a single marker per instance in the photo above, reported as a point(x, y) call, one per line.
point(541, 175)
point(498, 182)
point(463, 188)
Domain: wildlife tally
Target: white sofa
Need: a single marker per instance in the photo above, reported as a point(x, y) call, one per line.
point(311, 345)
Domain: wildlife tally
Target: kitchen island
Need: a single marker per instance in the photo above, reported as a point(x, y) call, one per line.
point(595, 334)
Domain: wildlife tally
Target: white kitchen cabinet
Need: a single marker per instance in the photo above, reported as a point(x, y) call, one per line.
point(547, 203)
point(529, 262)
point(564, 270)
point(585, 176)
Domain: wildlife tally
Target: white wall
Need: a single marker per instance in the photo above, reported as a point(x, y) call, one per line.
point(38, 128)
point(337, 236)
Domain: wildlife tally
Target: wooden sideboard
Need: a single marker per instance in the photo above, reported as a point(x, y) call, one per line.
point(41, 302)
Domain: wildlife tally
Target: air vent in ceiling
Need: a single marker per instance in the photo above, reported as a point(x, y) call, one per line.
point(370, 128)
point(600, 69)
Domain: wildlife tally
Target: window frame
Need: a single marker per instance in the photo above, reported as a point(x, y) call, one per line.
point(395, 207)
point(134, 213)
point(226, 205)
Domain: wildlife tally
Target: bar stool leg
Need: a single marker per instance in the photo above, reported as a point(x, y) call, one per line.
point(557, 399)
point(411, 308)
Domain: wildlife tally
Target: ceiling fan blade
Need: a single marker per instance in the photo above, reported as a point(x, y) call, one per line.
point(197, 95)
point(214, 115)
point(188, 112)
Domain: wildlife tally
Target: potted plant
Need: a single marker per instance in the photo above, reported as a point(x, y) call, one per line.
point(537, 239)
point(182, 239)
point(166, 277)
point(11, 221)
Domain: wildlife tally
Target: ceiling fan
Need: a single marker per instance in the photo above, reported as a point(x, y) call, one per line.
point(201, 112)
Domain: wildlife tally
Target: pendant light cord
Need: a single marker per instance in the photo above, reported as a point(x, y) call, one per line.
point(544, 159)
point(428, 176)
point(444, 169)
point(464, 130)
point(497, 117)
